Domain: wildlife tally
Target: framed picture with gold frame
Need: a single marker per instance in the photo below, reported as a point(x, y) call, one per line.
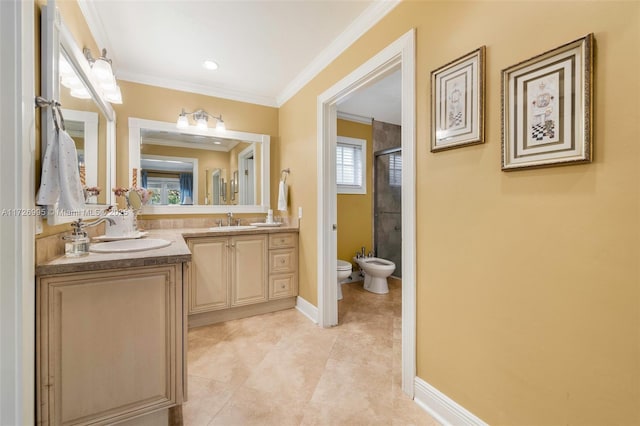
point(457, 102)
point(547, 108)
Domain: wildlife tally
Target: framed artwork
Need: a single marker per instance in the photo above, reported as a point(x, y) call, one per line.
point(547, 108)
point(457, 102)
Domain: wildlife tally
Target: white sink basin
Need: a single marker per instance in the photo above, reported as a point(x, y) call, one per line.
point(232, 228)
point(125, 246)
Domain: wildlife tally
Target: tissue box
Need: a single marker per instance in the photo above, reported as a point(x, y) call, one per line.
point(124, 225)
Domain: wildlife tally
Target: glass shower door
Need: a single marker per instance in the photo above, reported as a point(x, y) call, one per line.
point(387, 207)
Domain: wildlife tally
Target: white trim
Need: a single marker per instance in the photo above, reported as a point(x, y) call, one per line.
point(362, 144)
point(243, 160)
point(223, 92)
point(56, 37)
point(101, 36)
point(355, 118)
point(400, 53)
point(442, 408)
point(135, 126)
point(307, 309)
point(374, 13)
point(17, 251)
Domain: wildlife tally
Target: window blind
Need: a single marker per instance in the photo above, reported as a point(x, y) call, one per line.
point(349, 165)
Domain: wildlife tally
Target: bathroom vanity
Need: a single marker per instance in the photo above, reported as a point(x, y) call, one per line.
point(234, 275)
point(110, 335)
point(111, 328)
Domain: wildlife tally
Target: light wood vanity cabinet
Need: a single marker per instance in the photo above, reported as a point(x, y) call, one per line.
point(109, 344)
point(239, 275)
point(283, 265)
point(227, 272)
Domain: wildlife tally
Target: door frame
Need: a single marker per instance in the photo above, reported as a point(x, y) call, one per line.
point(399, 54)
point(18, 223)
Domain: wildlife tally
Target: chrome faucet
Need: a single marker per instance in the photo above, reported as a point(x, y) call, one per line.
point(230, 218)
point(98, 221)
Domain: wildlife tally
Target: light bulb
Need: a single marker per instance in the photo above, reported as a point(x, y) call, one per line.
point(220, 125)
point(201, 123)
point(80, 93)
point(71, 82)
point(114, 96)
point(102, 71)
point(183, 122)
point(65, 68)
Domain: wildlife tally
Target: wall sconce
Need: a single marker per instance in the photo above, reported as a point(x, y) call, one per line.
point(201, 117)
point(102, 71)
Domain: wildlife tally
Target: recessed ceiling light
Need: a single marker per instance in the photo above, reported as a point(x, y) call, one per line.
point(210, 65)
point(217, 142)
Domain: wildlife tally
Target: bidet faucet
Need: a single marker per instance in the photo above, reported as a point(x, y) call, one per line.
point(362, 253)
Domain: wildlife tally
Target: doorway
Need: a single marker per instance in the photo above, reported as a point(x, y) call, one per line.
point(400, 53)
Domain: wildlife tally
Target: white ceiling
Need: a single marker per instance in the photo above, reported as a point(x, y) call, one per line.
point(266, 49)
point(381, 101)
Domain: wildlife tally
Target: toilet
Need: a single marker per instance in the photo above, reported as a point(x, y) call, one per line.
point(376, 271)
point(344, 271)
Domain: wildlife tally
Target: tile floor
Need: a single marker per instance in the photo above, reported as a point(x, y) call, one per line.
point(281, 369)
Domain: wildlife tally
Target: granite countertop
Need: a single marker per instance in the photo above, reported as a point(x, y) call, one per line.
point(176, 252)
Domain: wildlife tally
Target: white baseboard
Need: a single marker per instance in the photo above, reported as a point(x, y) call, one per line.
point(442, 408)
point(307, 309)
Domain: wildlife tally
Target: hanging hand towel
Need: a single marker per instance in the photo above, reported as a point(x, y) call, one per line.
point(60, 180)
point(282, 197)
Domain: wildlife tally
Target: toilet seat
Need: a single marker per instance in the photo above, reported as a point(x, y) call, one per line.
point(344, 265)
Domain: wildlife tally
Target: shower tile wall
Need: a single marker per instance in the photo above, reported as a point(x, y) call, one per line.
point(385, 136)
point(387, 194)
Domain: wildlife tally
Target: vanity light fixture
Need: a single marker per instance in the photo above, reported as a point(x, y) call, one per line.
point(201, 117)
point(101, 69)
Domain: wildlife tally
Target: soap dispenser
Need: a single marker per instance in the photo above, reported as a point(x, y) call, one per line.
point(77, 244)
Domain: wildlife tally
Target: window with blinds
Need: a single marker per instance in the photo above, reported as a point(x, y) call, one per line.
point(395, 170)
point(350, 165)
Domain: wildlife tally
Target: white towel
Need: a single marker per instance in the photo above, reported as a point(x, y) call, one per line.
point(282, 196)
point(60, 180)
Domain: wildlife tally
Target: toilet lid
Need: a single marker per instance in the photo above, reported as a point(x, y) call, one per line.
point(344, 266)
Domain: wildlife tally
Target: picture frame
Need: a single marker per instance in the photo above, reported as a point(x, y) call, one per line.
point(547, 108)
point(457, 102)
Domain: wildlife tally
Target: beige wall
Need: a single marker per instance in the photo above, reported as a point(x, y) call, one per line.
point(355, 211)
point(528, 294)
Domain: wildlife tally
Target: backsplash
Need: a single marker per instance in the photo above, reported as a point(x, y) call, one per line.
point(52, 246)
point(201, 222)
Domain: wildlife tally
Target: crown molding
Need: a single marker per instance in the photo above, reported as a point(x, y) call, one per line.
point(355, 118)
point(97, 28)
point(209, 90)
point(374, 13)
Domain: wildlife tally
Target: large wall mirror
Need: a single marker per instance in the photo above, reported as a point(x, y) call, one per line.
point(89, 119)
point(199, 171)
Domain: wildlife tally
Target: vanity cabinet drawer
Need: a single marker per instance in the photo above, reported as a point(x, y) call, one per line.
point(282, 261)
point(284, 285)
point(282, 240)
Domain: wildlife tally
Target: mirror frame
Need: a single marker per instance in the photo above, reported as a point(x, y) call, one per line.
point(137, 124)
point(55, 36)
